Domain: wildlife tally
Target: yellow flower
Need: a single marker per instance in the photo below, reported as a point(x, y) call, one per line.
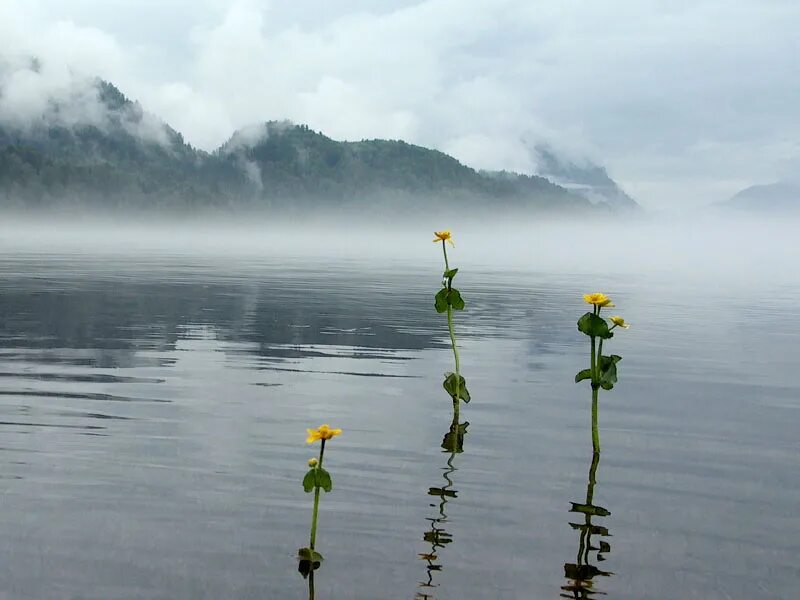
point(619, 322)
point(598, 299)
point(444, 236)
point(312, 462)
point(323, 433)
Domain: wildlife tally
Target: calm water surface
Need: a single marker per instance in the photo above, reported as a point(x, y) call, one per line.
point(153, 414)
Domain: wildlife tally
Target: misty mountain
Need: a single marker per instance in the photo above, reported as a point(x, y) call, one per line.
point(582, 177)
point(774, 196)
point(113, 154)
point(92, 145)
point(287, 162)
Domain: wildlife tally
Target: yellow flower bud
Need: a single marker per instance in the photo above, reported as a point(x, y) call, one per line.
point(619, 322)
point(312, 462)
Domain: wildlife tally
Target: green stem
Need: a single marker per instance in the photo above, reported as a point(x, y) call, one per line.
point(316, 502)
point(598, 360)
point(456, 399)
point(450, 326)
point(595, 391)
point(311, 585)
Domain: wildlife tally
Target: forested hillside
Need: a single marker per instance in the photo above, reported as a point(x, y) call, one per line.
point(123, 157)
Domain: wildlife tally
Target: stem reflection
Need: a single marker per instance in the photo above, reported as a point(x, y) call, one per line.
point(436, 536)
point(580, 574)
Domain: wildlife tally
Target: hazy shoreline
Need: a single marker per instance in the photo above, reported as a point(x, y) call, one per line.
point(677, 246)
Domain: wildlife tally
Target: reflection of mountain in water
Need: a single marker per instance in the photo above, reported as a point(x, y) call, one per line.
point(580, 574)
point(107, 321)
point(114, 319)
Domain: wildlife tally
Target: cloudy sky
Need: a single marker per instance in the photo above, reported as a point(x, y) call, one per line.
point(684, 102)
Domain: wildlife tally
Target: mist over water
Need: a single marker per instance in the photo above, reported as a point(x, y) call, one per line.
point(714, 246)
point(156, 380)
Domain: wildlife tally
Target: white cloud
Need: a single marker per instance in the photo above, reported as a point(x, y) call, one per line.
point(52, 64)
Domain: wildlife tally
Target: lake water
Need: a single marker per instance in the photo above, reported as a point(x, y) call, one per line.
point(153, 412)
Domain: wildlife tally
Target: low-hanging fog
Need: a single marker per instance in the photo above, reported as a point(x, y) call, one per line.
point(724, 249)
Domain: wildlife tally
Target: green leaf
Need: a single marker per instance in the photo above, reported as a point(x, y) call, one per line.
point(608, 371)
point(310, 560)
point(310, 481)
point(324, 479)
point(594, 326)
point(309, 554)
point(450, 274)
point(317, 477)
point(440, 302)
point(585, 374)
point(448, 297)
point(455, 299)
point(449, 385)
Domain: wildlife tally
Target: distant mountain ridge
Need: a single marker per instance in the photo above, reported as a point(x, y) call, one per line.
point(120, 156)
point(587, 179)
point(782, 195)
point(293, 160)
